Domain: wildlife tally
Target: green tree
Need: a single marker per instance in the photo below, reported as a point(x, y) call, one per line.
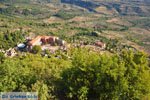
point(2, 57)
point(36, 49)
point(26, 12)
point(94, 77)
point(137, 74)
point(47, 52)
point(102, 77)
point(10, 39)
point(42, 90)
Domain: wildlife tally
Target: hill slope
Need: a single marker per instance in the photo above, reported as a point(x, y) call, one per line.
point(127, 20)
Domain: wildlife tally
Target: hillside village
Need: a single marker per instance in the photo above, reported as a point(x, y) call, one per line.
point(51, 44)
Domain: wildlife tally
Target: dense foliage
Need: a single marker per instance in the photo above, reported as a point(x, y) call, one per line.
point(10, 39)
point(36, 49)
point(85, 76)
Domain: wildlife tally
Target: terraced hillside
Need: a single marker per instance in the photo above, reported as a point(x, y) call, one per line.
point(127, 20)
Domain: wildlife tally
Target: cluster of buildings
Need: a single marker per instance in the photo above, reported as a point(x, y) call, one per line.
point(10, 52)
point(46, 42)
point(50, 43)
point(43, 40)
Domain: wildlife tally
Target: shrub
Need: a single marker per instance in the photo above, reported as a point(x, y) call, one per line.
point(36, 49)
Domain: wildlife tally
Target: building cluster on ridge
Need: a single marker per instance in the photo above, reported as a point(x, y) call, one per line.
point(50, 43)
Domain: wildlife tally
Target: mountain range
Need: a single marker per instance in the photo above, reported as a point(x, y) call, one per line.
point(123, 7)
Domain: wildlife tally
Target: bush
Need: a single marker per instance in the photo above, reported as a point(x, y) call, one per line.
point(2, 57)
point(36, 49)
point(26, 12)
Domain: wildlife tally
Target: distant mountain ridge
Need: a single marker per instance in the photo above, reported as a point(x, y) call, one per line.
point(122, 7)
point(76, 1)
point(30, 1)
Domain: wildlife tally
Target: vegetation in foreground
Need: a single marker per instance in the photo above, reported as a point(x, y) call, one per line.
point(85, 76)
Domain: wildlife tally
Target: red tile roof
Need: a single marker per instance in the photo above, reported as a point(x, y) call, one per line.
point(44, 37)
point(99, 43)
point(34, 40)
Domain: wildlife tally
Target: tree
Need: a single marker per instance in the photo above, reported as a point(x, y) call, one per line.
point(36, 49)
point(137, 75)
point(26, 12)
point(10, 39)
point(102, 77)
point(42, 90)
point(47, 52)
point(94, 77)
point(2, 57)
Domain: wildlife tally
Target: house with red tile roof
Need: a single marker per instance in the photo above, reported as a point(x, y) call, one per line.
point(100, 44)
point(45, 39)
point(36, 41)
point(52, 40)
